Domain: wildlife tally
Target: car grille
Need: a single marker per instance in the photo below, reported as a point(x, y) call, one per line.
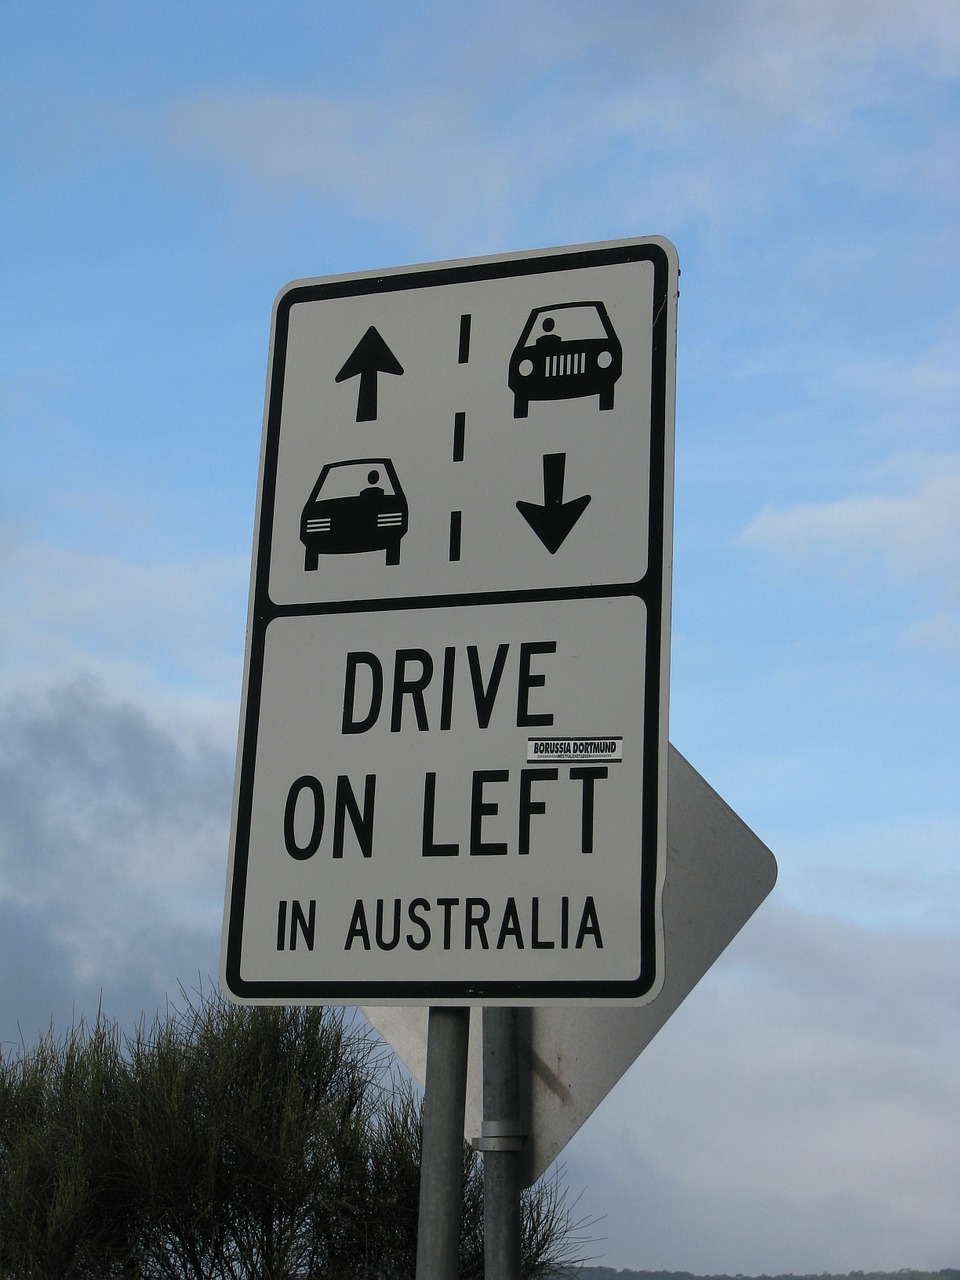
point(390, 520)
point(318, 524)
point(565, 364)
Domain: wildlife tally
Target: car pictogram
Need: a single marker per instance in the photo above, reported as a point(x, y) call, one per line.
point(565, 351)
point(355, 506)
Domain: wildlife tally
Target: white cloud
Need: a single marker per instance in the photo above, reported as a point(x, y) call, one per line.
point(459, 122)
point(67, 610)
point(775, 53)
point(939, 633)
point(798, 1113)
point(909, 535)
point(788, 54)
point(914, 395)
point(747, 67)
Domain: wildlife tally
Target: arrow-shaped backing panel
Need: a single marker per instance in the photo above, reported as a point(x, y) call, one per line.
point(718, 873)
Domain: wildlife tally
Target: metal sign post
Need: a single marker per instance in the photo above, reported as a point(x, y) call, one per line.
point(503, 1141)
point(441, 1157)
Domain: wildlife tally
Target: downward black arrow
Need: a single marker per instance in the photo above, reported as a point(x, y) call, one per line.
point(552, 521)
point(369, 357)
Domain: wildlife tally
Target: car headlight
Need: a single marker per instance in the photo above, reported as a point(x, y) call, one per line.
point(604, 359)
point(525, 368)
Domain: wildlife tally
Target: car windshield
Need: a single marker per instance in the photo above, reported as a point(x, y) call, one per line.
point(569, 324)
point(348, 479)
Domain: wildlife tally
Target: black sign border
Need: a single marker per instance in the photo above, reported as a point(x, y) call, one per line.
point(650, 588)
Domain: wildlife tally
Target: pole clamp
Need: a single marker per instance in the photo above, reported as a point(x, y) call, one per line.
point(500, 1135)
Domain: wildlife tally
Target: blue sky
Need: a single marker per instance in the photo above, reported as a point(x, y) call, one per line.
point(166, 169)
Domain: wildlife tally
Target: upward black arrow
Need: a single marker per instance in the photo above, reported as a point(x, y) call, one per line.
point(554, 519)
point(369, 357)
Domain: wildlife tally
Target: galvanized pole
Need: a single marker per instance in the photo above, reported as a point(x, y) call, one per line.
point(441, 1159)
point(502, 1143)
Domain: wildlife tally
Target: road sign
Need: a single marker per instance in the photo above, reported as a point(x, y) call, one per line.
point(451, 774)
point(718, 873)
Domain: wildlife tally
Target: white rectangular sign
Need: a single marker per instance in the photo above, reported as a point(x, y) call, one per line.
point(452, 767)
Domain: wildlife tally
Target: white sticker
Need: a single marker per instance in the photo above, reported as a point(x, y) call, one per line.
point(574, 750)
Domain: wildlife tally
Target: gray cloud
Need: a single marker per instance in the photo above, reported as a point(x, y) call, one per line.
point(798, 1112)
point(113, 835)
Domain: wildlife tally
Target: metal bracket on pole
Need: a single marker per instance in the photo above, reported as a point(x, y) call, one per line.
point(500, 1135)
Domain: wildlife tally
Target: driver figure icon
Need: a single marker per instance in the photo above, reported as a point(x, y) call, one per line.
point(355, 506)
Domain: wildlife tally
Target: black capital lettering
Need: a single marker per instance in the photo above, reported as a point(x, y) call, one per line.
point(296, 850)
point(346, 804)
point(510, 926)
point(588, 776)
point(476, 915)
point(429, 848)
point(306, 924)
point(383, 942)
point(532, 680)
point(484, 698)
point(413, 686)
point(416, 907)
point(446, 686)
point(358, 928)
point(447, 904)
point(529, 806)
point(538, 943)
point(479, 848)
point(354, 660)
point(589, 926)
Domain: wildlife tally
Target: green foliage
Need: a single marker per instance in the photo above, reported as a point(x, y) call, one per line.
point(224, 1142)
point(65, 1207)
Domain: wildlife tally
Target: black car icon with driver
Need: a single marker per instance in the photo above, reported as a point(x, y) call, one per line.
point(565, 351)
point(355, 506)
